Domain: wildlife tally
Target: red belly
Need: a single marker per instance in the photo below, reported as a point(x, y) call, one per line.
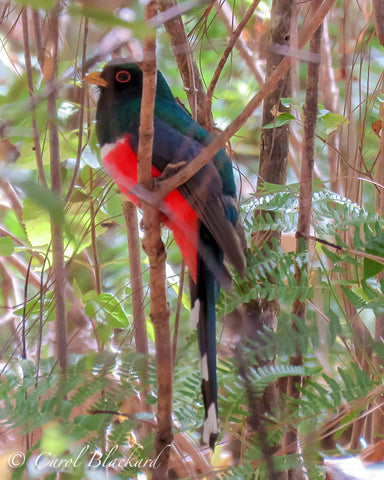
point(121, 163)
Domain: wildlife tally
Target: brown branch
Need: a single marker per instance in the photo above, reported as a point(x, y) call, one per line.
point(305, 199)
point(37, 29)
point(185, 62)
point(21, 267)
point(330, 95)
point(41, 317)
point(24, 318)
point(146, 129)
point(81, 112)
point(35, 128)
point(178, 309)
point(96, 265)
point(7, 291)
point(155, 250)
point(187, 172)
point(56, 228)
point(225, 13)
point(310, 112)
point(13, 198)
point(274, 148)
point(223, 60)
point(136, 276)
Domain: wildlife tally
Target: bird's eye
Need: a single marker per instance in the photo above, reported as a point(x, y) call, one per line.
point(123, 76)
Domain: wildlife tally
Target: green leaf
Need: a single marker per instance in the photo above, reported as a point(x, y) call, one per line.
point(107, 309)
point(150, 330)
point(37, 223)
point(372, 268)
point(282, 119)
point(354, 298)
point(289, 102)
point(332, 121)
point(46, 199)
point(38, 4)
point(6, 246)
point(54, 440)
point(375, 246)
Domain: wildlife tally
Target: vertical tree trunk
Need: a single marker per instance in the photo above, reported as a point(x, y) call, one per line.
point(274, 146)
point(273, 169)
point(305, 203)
point(155, 250)
point(56, 227)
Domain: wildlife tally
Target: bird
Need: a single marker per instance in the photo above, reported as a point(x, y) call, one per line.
point(202, 212)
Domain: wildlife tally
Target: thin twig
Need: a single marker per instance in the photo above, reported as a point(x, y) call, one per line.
point(37, 30)
point(81, 112)
point(13, 198)
point(136, 277)
point(92, 213)
point(186, 63)
point(35, 128)
point(24, 319)
point(225, 13)
point(56, 228)
point(330, 96)
point(178, 309)
point(223, 60)
point(41, 316)
point(187, 172)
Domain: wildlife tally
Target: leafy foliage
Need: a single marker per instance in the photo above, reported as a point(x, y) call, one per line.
point(105, 403)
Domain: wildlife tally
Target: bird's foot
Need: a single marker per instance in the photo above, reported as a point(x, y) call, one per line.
point(170, 170)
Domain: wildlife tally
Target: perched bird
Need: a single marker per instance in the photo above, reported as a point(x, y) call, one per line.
point(201, 213)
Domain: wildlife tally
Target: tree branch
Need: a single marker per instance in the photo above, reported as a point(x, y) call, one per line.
point(81, 112)
point(56, 228)
point(305, 200)
point(225, 13)
point(139, 323)
point(187, 172)
point(223, 60)
point(37, 29)
point(155, 250)
point(177, 315)
point(92, 214)
point(35, 129)
point(185, 62)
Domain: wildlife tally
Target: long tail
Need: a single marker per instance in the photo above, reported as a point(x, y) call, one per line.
point(203, 300)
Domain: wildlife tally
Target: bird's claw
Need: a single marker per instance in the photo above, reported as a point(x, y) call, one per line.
point(171, 169)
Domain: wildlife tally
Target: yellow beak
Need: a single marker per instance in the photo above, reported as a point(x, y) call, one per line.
point(95, 78)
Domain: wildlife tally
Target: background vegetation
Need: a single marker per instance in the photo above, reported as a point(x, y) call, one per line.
point(300, 339)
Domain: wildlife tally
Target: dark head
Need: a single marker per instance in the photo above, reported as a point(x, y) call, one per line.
point(121, 85)
point(121, 81)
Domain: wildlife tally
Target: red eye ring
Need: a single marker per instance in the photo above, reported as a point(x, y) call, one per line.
point(123, 76)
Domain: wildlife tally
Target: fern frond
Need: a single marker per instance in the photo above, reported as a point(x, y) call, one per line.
point(262, 376)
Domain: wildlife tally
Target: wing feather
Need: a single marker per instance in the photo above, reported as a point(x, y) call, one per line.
point(204, 191)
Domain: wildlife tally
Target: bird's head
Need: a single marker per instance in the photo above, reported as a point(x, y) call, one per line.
point(120, 90)
point(118, 82)
point(123, 80)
